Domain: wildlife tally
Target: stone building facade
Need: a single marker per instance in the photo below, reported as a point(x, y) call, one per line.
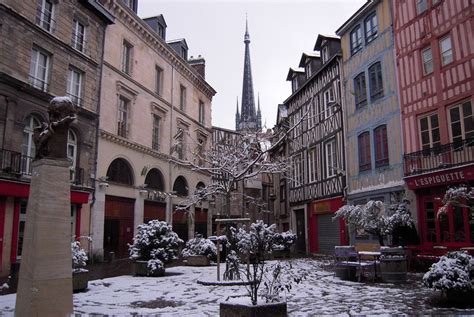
point(154, 106)
point(48, 48)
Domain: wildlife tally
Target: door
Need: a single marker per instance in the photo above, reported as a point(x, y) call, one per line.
point(118, 225)
point(300, 231)
point(111, 235)
point(328, 234)
point(154, 211)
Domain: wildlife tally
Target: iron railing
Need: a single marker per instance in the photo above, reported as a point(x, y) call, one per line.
point(14, 163)
point(439, 157)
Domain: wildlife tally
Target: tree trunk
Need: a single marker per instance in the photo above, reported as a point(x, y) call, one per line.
point(381, 240)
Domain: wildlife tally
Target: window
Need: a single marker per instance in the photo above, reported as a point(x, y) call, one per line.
point(155, 180)
point(184, 53)
point(39, 69)
point(131, 4)
point(74, 86)
point(297, 171)
point(331, 163)
point(28, 149)
point(78, 38)
point(201, 112)
point(421, 6)
point(360, 91)
point(312, 113)
point(308, 70)
point(294, 84)
point(375, 81)
point(120, 172)
point(328, 103)
point(381, 146)
point(446, 50)
point(158, 79)
point(155, 138)
point(356, 40)
point(427, 57)
point(182, 97)
point(72, 152)
point(370, 28)
point(462, 123)
point(45, 14)
point(429, 131)
point(312, 172)
point(122, 124)
point(364, 152)
point(325, 54)
point(127, 57)
point(180, 186)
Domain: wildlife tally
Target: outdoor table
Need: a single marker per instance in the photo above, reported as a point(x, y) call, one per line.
point(374, 255)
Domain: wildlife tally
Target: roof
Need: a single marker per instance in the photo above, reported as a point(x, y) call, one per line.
point(355, 17)
point(321, 38)
point(102, 12)
point(305, 56)
point(182, 41)
point(159, 17)
point(293, 71)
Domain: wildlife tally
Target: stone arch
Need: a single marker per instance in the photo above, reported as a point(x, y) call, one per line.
point(180, 186)
point(120, 171)
point(155, 180)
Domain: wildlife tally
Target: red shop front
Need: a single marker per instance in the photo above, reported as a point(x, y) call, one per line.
point(323, 232)
point(454, 229)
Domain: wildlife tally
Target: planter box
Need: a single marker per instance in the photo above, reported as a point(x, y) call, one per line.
point(80, 281)
point(229, 309)
point(393, 270)
point(140, 269)
point(346, 272)
point(198, 260)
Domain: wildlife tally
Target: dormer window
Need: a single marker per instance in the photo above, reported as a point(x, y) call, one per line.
point(160, 31)
point(294, 83)
point(308, 70)
point(184, 53)
point(325, 54)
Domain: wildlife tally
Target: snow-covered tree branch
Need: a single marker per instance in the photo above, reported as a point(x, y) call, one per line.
point(459, 196)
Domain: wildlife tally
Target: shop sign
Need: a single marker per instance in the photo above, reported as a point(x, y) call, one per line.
point(321, 208)
point(440, 178)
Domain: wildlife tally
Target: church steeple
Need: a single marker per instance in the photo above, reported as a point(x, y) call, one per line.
point(237, 115)
point(259, 115)
point(248, 119)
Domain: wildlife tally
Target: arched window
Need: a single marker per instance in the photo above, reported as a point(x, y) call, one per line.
point(180, 186)
point(28, 149)
point(154, 180)
point(120, 172)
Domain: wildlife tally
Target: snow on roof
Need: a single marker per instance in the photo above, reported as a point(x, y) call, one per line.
point(61, 99)
point(294, 71)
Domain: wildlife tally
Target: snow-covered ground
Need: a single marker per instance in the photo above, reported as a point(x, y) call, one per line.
point(179, 294)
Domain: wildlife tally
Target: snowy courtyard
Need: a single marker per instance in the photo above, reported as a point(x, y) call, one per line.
point(179, 294)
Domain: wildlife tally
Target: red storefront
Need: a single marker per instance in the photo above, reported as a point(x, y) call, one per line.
point(454, 229)
point(323, 232)
point(13, 202)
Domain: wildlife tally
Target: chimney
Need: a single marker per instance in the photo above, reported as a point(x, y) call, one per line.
point(199, 64)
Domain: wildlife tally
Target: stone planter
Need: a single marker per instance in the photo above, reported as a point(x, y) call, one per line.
point(198, 260)
point(393, 269)
point(140, 269)
point(80, 281)
point(346, 272)
point(281, 254)
point(229, 309)
point(459, 297)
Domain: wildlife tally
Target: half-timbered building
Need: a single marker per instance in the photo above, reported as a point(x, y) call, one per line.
point(434, 46)
point(371, 108)
point(316, 146)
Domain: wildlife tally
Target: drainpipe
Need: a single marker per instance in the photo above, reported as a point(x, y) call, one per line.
point(169, 199)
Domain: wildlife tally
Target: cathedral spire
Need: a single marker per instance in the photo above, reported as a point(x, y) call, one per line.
point(237, 115)
point(248, 120)
point(259, 115)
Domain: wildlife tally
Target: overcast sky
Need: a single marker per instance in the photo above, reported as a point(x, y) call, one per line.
point(280, 31)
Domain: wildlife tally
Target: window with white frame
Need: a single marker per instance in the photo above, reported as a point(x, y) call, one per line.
point(429, 132)
point(45, 14)
point(421, 6)
point(72, 152)
point(122, 118)
point(78, 38)
point(427, 56)
point(331, 162)
point(294, 84)
point(312, 113)
point(201, 112)
point(297, 171)
point(356, 40)
point(308, 70)
point(446, 50)
point(158, 79)
point(155, 139)
point(127, 57)
point(182, 97)
point(370, 28)
point(312, 165)
point(325, 53)
point(74, 85)
point(28, 148)
point(461, 122)
point(39, 69)
point(328, 102)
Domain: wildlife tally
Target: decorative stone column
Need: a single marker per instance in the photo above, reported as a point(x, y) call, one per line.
point(191, 221)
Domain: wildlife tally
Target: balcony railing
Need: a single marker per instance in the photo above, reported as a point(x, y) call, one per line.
point(14, 163)
point(439, 157)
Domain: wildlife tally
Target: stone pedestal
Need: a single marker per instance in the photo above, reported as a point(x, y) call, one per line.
point(45, 281)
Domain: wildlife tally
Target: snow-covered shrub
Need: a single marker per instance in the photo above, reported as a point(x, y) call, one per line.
point(258, 241)
point(284, 240)
point(374, 220)
point(232, 262)
point(79, 257)
point(460, 196)
point(279, 278)
point(200, 246)
point(454, 272)
point(154, 241)
point(154, 265)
